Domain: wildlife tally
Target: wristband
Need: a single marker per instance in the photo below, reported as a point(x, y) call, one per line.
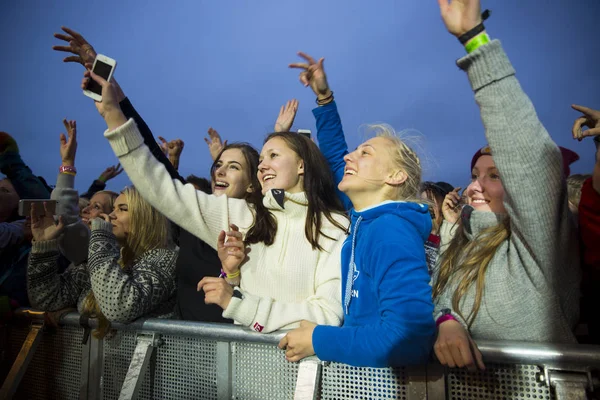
point(465, 37)
point(326, 100)
point(477, 42)
point(229, 276)
point(67, 169)
point(444, 318)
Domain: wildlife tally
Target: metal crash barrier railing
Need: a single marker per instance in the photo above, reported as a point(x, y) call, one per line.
point(170, 359)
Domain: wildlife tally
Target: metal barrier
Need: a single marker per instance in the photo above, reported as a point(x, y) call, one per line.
point(169, 359)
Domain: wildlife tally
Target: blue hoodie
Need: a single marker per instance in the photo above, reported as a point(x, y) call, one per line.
point(388, 317)
point(388, 308)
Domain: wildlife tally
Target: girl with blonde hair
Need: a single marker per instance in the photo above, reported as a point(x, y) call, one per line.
point(129, 273)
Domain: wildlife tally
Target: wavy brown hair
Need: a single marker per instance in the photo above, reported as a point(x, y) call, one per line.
point(466, 261)
point(149, 229)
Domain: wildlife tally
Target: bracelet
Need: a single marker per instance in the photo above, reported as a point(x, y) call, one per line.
point(444, 318)
point(229, 276)
point(326, 100)
point(67, 169)
point(465, 37)
point(477, 42)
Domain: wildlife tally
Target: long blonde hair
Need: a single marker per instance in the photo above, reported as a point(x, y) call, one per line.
point(466, 261)
point(148, 229)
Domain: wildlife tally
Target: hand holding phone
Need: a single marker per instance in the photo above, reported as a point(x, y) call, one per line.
point(104, 67)
point(26, 204)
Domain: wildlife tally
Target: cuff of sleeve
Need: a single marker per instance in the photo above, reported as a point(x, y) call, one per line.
point(323, 342)
point(243, 310)
point(487, 64)
point(98, 224)
point(324, 109)
point(45, 246)
point(125, 138)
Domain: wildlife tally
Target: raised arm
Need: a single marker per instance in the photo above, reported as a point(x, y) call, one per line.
point(329, 125)
point(73, 242)
point(529, 162)
point(200, 214)
point(84, 54)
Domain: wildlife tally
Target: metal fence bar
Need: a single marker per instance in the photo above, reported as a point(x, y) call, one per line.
point(139, 363)
point(85, 371)
point(224, 370)
point(436, 382)
point(19, 367)
point(95, 370)
point(309, 379)
point(417, 382)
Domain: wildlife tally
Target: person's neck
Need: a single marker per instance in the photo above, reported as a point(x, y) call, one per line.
point(364, 200)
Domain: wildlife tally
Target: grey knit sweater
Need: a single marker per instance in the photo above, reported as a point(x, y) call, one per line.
point(532, 283)
point(145, 289)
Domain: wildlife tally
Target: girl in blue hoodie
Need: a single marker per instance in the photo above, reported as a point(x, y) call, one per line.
point(386, 294)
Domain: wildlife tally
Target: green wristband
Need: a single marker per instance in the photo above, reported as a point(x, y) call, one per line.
point(477, 42)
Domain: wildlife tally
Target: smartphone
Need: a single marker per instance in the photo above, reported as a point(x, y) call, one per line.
point(103, 66)
point(305, 132)
point(25, 206)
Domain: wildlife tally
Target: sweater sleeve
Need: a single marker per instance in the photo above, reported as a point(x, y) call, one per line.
point(130, 112)
point(529, 162)
point(94, 188)
point(123, 297)
point(405, 331)
point(332, 144)
point(48, 290)
point(201, 214)
point(73, 243)
point(27, 185)
point(589, 225)
point(266, 315)
point(11, 233)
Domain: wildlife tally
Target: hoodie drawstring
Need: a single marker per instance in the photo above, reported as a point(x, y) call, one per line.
point(351, 269)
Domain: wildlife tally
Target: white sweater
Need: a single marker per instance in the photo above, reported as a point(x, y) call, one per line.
point(281, 284)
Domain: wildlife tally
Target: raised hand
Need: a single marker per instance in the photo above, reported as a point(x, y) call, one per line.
point(84, 52)
point(231, 249)
point(109, 107)
point(460, 16)
point(286, 117)
point(43, 226)
point(215, 144)
point(110, 173)
point(589, 119)
point(68, 143)
point(455, 348)
point(172, 148)
point(451, 206)
point(313, 75)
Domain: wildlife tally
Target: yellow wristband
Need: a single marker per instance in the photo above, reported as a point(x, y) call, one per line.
point(477, 42)
point(234, 275)
point(68, 173)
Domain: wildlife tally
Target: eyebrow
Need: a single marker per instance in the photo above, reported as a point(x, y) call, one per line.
point(365, 145)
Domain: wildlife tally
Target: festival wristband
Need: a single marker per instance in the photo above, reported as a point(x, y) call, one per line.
point(443, 319)
point(229, 276)
point(67, 169)
point(477, 42)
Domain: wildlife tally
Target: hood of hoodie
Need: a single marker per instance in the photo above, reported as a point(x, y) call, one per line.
point(417, 214)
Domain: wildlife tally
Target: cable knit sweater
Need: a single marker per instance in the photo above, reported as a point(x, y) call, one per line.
point(145, 289)
point(281, 284)
point(532, 282)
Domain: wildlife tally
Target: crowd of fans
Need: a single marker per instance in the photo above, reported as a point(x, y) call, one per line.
point(349, 250)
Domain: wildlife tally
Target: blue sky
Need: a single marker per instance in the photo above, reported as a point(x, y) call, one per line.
point(188, 65)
